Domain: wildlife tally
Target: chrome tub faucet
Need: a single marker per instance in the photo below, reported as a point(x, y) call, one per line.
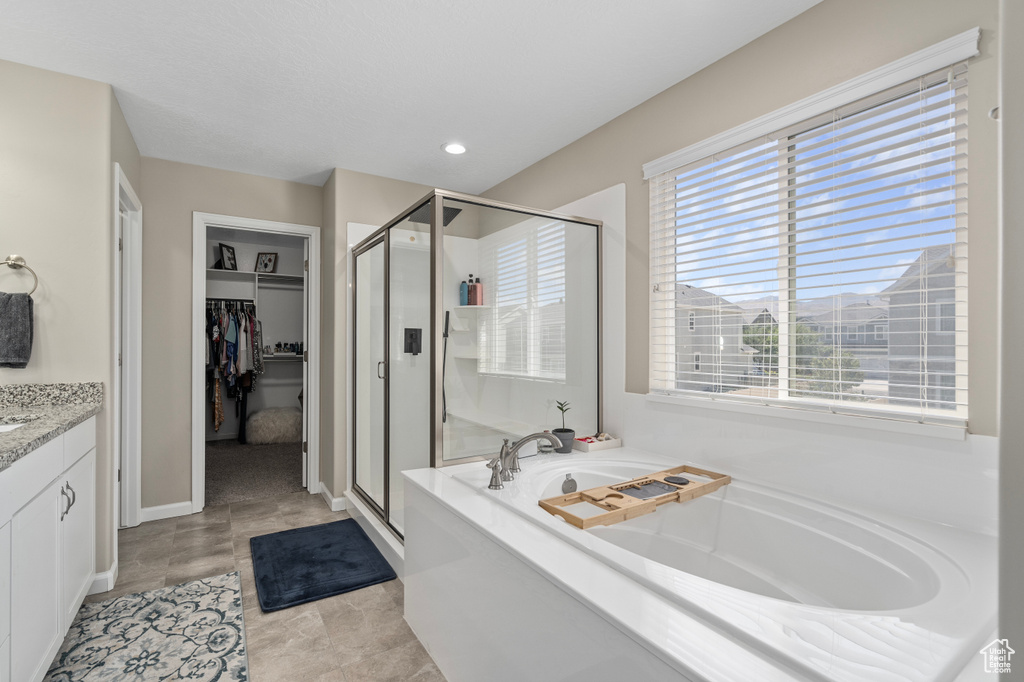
point(505, 466)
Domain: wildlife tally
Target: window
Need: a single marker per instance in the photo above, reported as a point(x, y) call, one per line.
point(826, 224)
point(523, 333)
point(943, 316)
point(693, 320)
point(696, 362)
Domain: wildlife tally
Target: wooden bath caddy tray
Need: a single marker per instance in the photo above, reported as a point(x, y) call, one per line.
point(622, 506)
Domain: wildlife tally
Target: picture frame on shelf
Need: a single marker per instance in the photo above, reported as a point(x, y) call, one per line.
point(227, 257)
point(266, 262)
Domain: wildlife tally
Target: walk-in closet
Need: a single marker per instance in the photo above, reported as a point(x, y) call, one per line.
point(255, 338)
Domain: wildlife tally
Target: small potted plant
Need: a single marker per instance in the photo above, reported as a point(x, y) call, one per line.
point(563, 434)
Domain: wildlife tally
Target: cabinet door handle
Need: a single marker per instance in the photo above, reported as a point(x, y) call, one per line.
point(379, 365)
point(74, 495)
point(68, 498)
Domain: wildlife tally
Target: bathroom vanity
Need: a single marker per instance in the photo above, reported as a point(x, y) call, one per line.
point(47, 525)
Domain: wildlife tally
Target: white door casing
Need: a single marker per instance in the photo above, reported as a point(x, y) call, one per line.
point(311, 339)
point(127, 359)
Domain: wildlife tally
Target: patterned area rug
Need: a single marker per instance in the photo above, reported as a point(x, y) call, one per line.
point(192, 631)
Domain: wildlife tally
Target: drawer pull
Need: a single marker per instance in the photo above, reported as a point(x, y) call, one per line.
point(74, 495)
point(68, 498)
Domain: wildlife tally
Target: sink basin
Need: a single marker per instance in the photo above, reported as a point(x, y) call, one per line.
point(4, 428)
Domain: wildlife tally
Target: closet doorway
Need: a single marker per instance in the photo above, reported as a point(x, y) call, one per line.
point(255, 359)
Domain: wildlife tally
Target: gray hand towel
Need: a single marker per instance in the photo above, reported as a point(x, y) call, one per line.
point(16, 327)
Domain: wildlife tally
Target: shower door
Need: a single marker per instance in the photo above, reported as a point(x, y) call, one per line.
point(369, 374)
point(392, 362)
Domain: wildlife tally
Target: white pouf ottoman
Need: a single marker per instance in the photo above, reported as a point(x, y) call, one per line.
point(274, 425)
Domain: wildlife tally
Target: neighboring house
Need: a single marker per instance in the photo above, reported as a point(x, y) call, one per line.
point(922, 331)
point(856, 326)
point(508, 346)
point(758, 317)
point(710, 353)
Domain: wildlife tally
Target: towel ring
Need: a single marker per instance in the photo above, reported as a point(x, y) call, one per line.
point(17, 263)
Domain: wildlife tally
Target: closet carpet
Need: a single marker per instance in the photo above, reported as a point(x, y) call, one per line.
point(236, 472)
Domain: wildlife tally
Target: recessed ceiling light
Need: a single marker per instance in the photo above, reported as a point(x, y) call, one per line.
point(454, 148)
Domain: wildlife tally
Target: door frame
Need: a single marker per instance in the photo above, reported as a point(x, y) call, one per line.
point(127, 316)
point(311, 408)
point(383, 507)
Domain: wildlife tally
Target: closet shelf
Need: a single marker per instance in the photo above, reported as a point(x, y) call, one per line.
point(280, 278)
point(282, 358)
point(472, 307)
point(238, 275)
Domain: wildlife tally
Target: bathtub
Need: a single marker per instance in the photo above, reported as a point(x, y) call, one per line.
point(812, 590)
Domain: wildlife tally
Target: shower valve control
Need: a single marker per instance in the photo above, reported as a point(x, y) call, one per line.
point(413, 340)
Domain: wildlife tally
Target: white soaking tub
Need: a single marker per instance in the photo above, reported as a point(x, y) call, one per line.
point(824, 592)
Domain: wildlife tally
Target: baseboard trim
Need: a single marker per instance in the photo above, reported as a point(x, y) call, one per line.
point(105, 581)
point(335, 503)
point(166, 511)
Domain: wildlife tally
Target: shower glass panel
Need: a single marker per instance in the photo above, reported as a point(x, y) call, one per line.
point(369, 372)
point(410, 355)
point(528, 337)
point(439, 380)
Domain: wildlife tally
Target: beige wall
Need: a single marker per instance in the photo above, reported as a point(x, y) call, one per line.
point(830, 43)
point(123, 149)
point(349, 197)
point(327, 332)
point(1011, 428)
point(56, 193)
point(170, 193)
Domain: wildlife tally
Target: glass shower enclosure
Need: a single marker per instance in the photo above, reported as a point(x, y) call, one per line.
point(472, 319)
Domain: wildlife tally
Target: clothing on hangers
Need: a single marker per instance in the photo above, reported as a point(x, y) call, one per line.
point(233, 353)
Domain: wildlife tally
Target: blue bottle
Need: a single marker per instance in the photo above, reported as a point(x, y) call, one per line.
point(463, 293)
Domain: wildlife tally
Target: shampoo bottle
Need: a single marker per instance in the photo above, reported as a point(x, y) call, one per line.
point(471, 293)
point(478, 291)
point(463, 293)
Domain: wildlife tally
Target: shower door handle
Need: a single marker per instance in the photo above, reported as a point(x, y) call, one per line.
point(379, 375)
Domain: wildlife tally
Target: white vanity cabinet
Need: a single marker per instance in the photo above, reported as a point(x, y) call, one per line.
point(50, 500)
point(35, 574)
point(78, 547)
point(5, 602)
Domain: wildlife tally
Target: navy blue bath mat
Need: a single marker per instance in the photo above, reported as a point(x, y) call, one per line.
point(305, 564)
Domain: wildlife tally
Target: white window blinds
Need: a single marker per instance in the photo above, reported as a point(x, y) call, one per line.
point(823, 265)
point(523, 332)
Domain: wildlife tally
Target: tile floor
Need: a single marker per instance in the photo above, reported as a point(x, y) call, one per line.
point(361, 636)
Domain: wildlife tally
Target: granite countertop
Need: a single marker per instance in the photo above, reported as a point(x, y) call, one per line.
point(46, 410)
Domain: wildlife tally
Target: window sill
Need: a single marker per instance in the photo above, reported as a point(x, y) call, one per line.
point(950, 432)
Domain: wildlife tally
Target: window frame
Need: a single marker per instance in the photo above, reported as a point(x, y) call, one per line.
point(963, 47)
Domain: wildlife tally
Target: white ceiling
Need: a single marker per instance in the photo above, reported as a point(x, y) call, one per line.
point(291, 89)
